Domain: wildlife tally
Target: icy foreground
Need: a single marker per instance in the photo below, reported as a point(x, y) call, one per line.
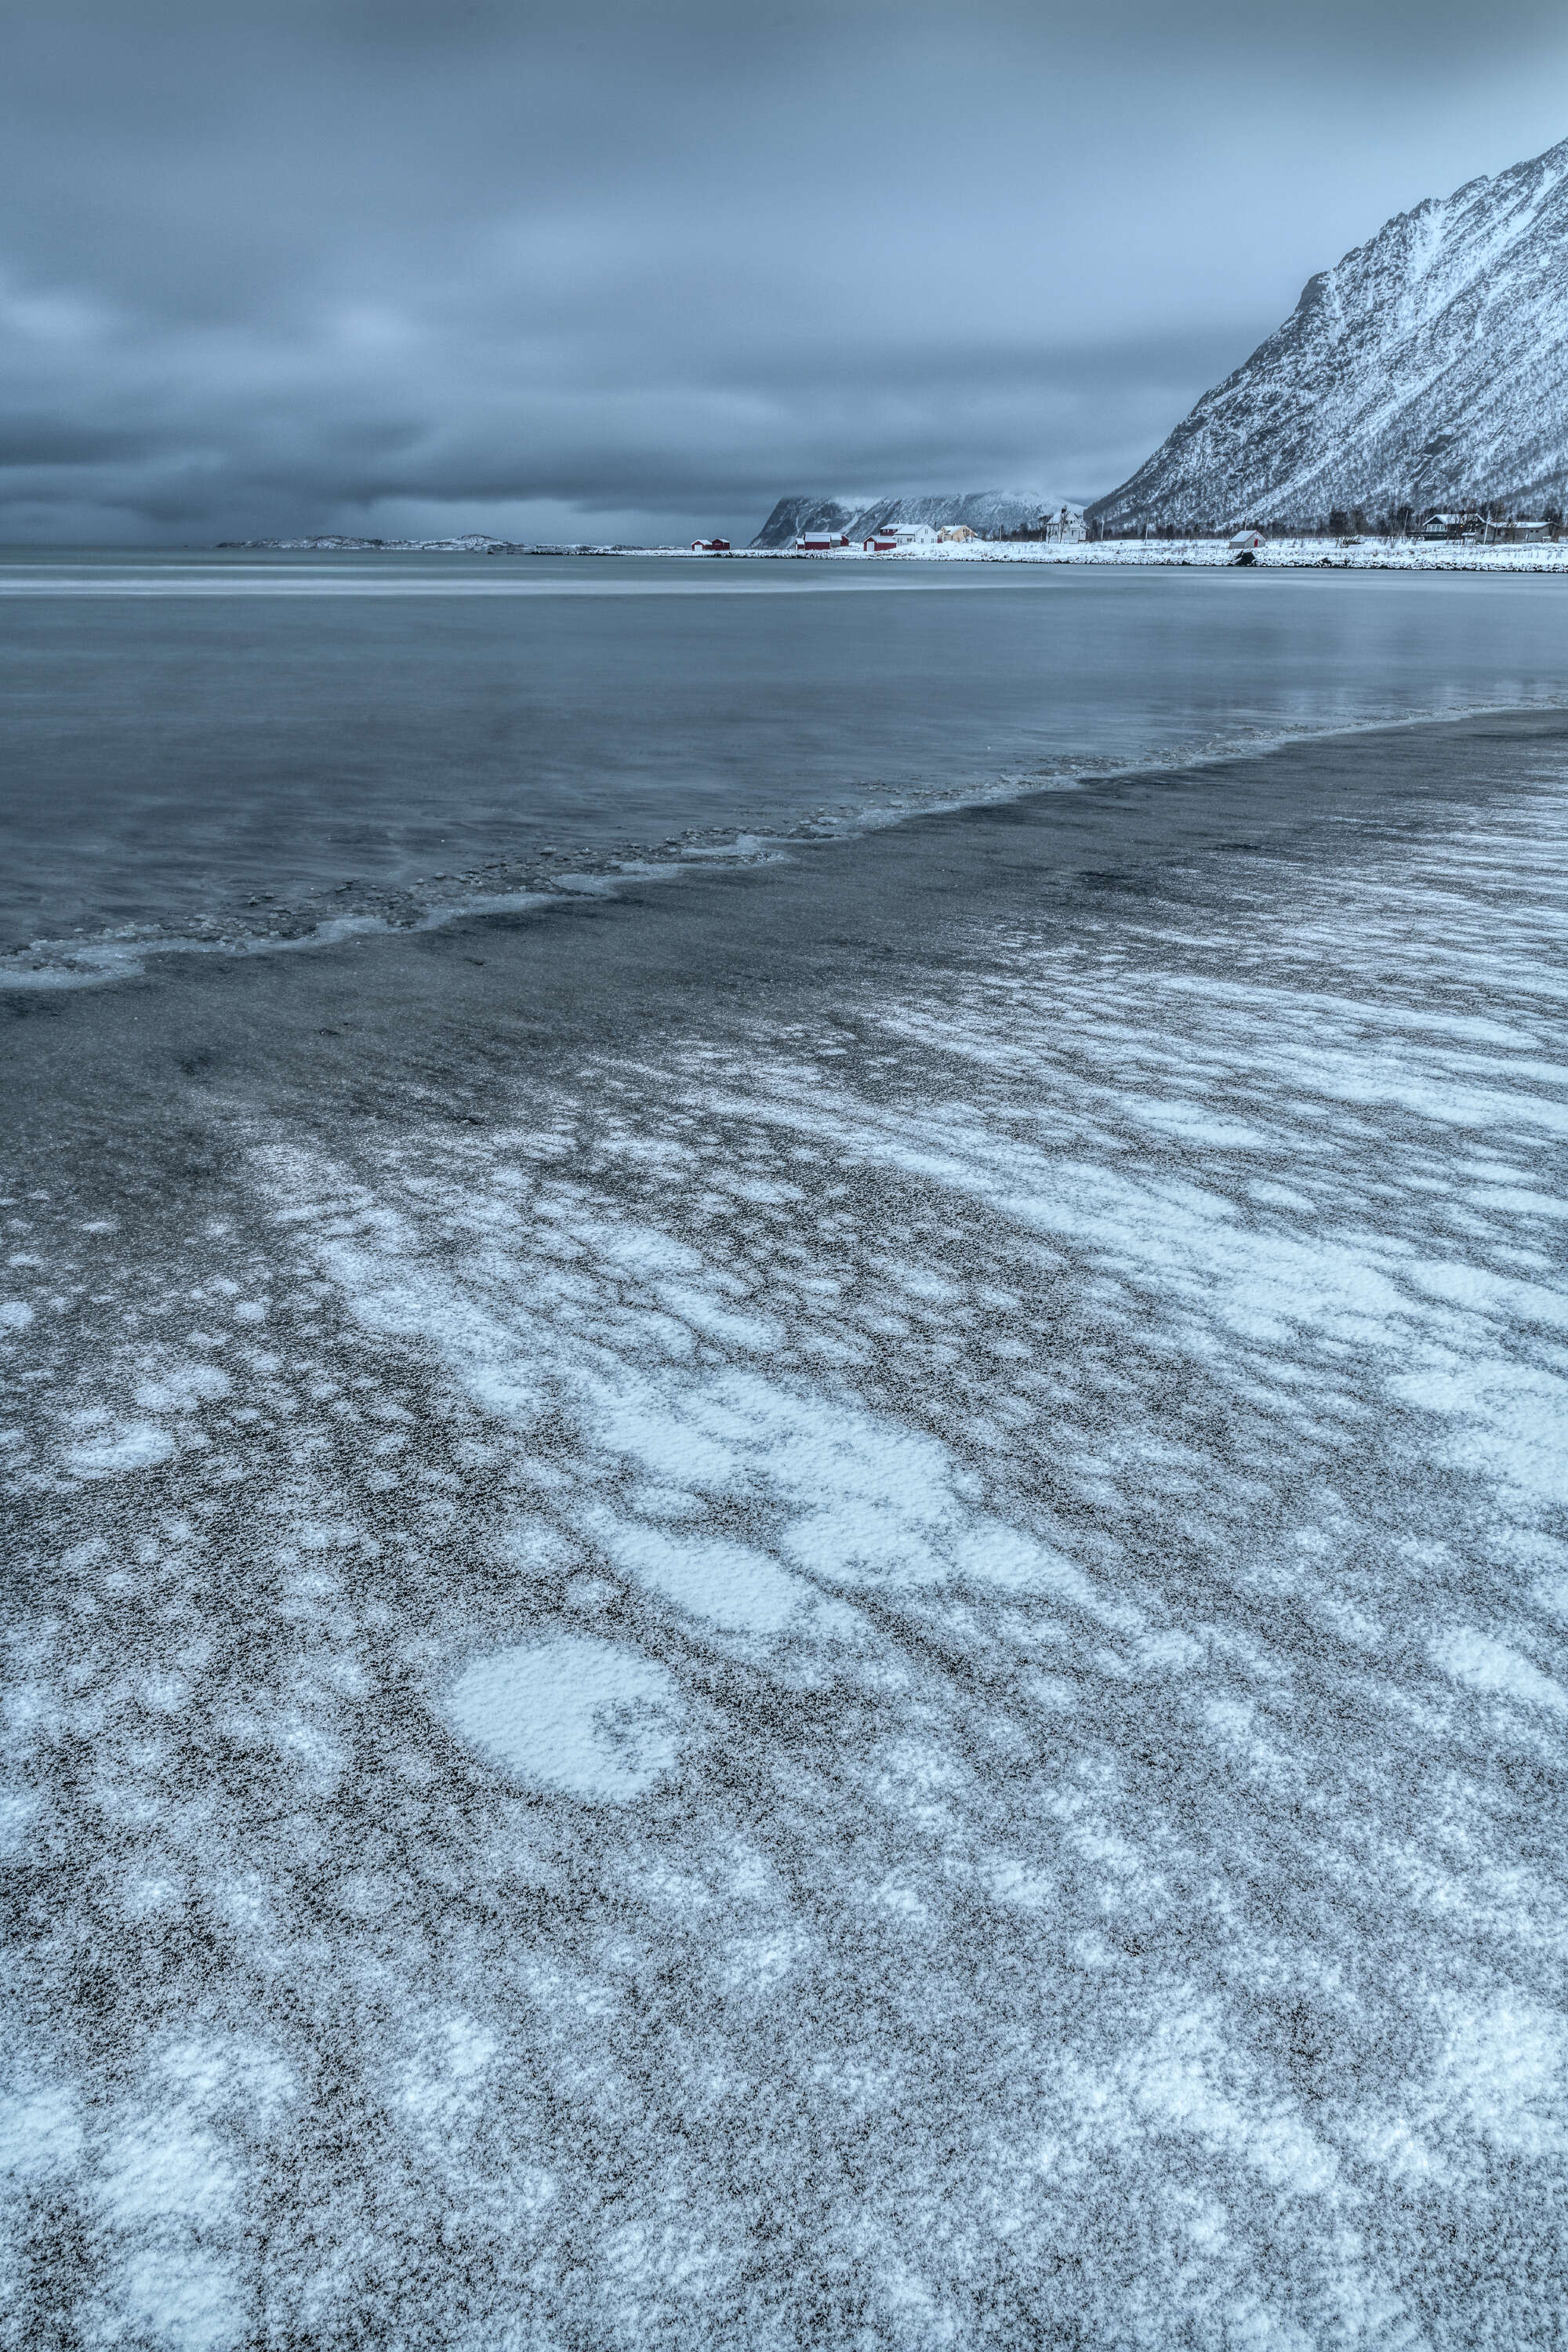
point(894, 1681)
point(1429, 366)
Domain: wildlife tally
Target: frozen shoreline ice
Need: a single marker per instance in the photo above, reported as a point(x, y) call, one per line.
point(1064, 1441)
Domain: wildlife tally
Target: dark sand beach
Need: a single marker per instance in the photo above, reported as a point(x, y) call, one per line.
point(813, 1605)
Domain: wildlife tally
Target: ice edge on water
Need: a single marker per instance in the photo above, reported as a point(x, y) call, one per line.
point(531, 882)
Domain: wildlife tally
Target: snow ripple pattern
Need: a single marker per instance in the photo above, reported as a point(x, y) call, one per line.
point(901, 1683)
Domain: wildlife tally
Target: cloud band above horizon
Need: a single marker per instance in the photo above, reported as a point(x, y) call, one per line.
point(633, 273)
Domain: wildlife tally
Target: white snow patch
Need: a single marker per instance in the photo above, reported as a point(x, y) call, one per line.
point(183, 1389)
point(1182, 2083)
point(19, 1810)
point(183, 2298)
point(135, 1445)
point(39, 2132)
point(1510, 2065)
point(584, 1716)
point(162, 2166)
point(1491, 1666)
point(729, 1584)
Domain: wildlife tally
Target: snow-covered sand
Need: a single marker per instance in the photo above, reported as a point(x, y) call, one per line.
point(885, 1666)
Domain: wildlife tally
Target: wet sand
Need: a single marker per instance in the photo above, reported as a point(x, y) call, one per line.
point(821, 1605)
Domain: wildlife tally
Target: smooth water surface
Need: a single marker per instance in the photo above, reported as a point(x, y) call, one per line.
point(180, 733)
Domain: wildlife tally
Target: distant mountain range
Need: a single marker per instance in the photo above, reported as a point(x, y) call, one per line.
point(471, 542)
point(983, 511)
point(1427, 368)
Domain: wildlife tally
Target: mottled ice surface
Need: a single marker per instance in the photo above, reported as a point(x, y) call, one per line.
point(893, 1678)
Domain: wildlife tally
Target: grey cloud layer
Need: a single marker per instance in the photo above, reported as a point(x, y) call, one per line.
point(366, 268)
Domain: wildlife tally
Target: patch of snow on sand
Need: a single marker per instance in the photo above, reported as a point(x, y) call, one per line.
point(581, 1715)
point(135, 1445)
point(890, 1678)
point(1491, 1666)
point(729, 1584)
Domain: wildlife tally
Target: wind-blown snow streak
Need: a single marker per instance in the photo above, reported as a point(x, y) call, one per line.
point(1427, 367)
point(900, 1682)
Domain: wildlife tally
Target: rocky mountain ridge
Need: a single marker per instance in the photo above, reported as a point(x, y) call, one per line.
point(1429, 367)
point(472, 542)
point(983, 511)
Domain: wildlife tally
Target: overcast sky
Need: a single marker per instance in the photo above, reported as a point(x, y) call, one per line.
point(591, 270)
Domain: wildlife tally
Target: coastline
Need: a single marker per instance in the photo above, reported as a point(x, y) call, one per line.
point(1182, 554)
point(995, 1385)
point(535, 885)
point(1278, 555)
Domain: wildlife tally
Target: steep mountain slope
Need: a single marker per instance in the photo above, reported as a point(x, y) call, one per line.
point(1428, 366)
point(983, 511)
point(804, 512)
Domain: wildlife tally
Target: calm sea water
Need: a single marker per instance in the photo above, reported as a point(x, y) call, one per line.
point(179, 734)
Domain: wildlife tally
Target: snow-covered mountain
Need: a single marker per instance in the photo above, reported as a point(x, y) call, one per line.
point(471, 542)
point(806, 511)
point(983, 511)
point(1427, 368)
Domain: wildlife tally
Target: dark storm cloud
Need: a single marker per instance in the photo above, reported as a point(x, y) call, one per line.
point(629, 270)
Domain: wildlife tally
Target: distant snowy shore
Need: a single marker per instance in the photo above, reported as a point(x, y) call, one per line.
point(472, 542)
point(1294, 554)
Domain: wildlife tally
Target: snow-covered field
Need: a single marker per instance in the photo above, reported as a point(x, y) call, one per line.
point(889, 1678)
